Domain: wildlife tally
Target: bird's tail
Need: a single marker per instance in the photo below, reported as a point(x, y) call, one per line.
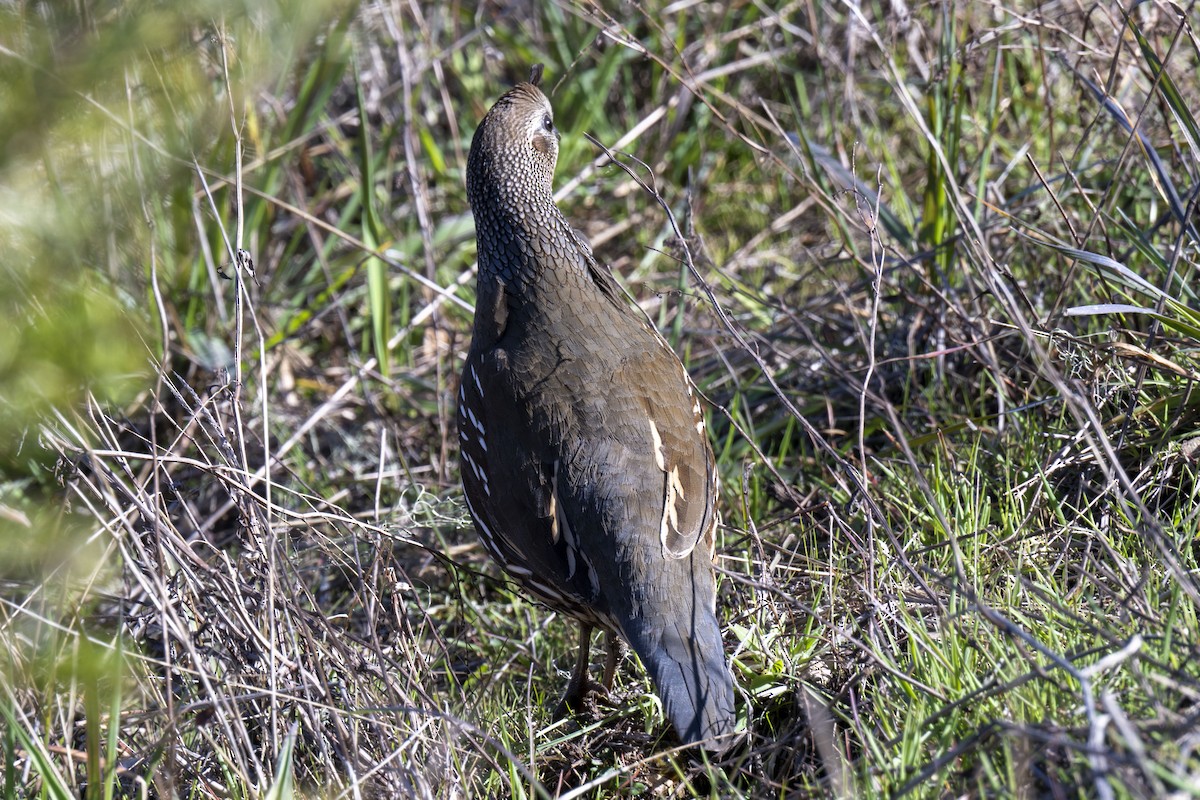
point(686, 659)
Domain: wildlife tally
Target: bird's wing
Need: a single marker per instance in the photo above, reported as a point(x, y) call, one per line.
point(512, 487)
point(676, 435)
point(672, 453)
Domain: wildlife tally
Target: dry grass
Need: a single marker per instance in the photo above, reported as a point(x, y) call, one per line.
point(940, 299)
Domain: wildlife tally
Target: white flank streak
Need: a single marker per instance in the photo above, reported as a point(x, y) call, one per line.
point(670, 517)
point(488, 539)
point(475, 377)
point(475, 421)
point(593, 578)
point(479, 473)
point(490, 542)
point(559, 526)
point(546, 590)
point(658, 447)
point(554, 504)
point(676, 484)
point(664, 527)
point(565, 527)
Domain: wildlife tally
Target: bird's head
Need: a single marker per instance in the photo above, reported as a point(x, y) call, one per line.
point(514, 148)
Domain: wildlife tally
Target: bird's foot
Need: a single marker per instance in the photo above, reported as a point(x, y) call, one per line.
point(583, 699)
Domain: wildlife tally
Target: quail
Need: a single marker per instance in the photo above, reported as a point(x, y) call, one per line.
point(584, 458)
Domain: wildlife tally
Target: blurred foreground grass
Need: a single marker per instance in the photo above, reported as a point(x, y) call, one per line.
point(951, 363)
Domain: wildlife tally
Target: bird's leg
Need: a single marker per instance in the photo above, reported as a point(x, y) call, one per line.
point(577, 688)
point(616, 651)
point(580, 688)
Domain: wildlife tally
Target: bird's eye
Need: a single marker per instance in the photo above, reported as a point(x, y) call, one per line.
point(547, 123)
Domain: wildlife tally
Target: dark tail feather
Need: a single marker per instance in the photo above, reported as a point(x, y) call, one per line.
point(693, 681)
